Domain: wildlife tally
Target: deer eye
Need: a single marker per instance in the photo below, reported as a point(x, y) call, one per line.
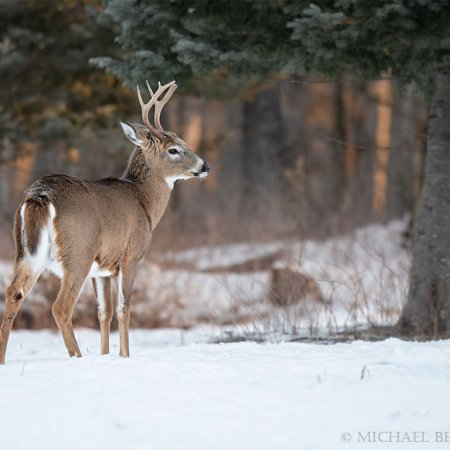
point(173, 151)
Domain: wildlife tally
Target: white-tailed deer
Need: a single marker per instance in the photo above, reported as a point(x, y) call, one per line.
point(99, 229)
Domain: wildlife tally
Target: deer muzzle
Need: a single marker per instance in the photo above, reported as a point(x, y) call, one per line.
point(203, 171)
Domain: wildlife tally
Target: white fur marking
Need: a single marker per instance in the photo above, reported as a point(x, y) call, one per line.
point(96, 271)
point(22, 225)
point(176, 156)
point(39, 260)
point(53, 264)
point(52, 233)
point(121, 299)
point(99, 284)
point(130, 133)
point(171, 180)
point(52, 211)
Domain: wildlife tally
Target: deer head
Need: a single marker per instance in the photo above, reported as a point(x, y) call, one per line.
point(168, 156)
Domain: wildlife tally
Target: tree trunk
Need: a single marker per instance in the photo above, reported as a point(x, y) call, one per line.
point(263, 138)
point(405, 149)
point(383, 89)
point(427, 311)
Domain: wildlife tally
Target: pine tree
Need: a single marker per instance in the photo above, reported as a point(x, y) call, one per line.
point(48, 87)
point(209, 47)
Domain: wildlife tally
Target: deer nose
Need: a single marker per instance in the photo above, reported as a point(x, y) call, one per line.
point(206, 167)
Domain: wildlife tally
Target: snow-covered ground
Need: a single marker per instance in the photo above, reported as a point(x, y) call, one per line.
point(180, 391)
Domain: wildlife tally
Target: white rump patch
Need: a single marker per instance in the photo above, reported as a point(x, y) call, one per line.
point(38, 260)
point(53, 265)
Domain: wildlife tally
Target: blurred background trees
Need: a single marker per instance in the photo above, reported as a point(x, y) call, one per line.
point(293, 154)
point(247, 43)
point(313, 115)
point(55, 110)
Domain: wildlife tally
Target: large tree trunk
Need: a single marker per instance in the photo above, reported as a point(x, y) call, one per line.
point(427, 311)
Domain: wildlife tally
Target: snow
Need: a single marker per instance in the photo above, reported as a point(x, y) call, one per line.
point(181, 391)
point(204, 258)
point(363, 276)
point(184, 390)
point(182, 298)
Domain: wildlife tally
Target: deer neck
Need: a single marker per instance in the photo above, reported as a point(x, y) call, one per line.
point(151, 185)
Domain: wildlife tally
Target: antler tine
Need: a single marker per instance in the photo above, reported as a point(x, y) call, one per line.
point(159, 105)
point(149, 88)
point(146, 107)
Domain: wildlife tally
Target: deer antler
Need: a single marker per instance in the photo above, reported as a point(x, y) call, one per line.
point(158, 104)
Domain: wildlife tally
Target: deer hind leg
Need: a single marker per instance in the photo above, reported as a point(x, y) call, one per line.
point(102, 287)
point(24, 280)
point(31, 234)
point(63, 309)
point(125, 280)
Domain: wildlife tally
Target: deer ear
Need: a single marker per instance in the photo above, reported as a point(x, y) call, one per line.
point(131, 133)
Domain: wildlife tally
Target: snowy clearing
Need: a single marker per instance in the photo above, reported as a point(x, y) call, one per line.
point(363, 276)
point(178, 391)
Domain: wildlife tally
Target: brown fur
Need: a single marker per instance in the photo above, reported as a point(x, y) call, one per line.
point(22, 282)
point(109, 221)
point(104, 316)
point(36, 216)
point(17, 234)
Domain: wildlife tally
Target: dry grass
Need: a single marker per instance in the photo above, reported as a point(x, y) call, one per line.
point(351, 284)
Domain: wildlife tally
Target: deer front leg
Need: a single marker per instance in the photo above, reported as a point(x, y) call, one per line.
point(125, 280)
point(102, 287)
point(22, 283)
point(123, 317)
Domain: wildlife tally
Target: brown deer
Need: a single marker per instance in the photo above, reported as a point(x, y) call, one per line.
point(99, 229)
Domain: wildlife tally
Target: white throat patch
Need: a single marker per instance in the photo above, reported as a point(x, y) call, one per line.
point(171, 180)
